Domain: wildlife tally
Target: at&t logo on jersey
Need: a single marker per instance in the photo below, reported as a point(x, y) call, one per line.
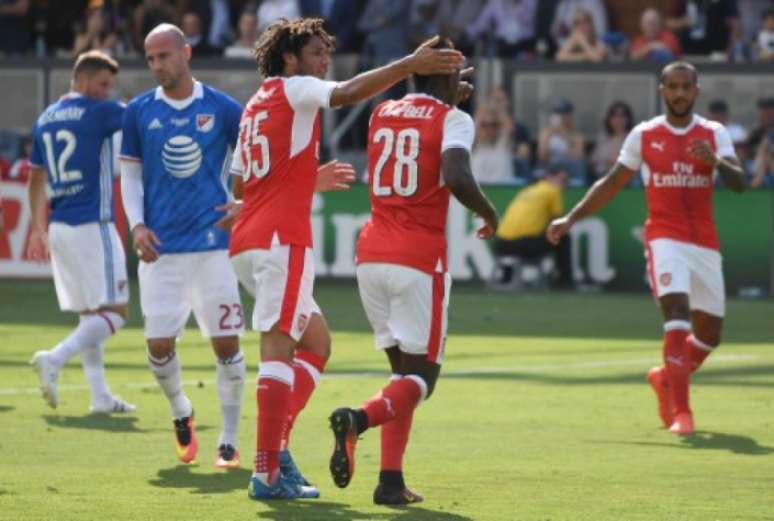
point(682, 177)
point(182, 156)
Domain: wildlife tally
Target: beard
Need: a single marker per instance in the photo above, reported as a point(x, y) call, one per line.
point(679, 113)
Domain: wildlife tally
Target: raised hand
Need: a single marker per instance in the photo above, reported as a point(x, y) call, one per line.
point(426, 60)
point(702, 150)
point(558, 229)
point(464, 89)
point(334, 176)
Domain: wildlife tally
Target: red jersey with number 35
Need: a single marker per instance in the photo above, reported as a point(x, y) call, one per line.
point(409, 201)
point(678, 186)
point(277, 157)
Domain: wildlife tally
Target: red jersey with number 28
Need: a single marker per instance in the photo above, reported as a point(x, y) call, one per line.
point(409, 201)
point(678, 186)
point(277, 157)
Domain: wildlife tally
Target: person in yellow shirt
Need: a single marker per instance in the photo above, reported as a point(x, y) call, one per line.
point(522, 230)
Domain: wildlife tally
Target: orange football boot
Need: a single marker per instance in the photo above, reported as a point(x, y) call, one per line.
point(658, 381)
point(185, 439)
point(683, 424)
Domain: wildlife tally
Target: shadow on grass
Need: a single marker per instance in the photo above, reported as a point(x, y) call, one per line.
point(98, 422)
point(211, 483)
point(6, 408)
point(317, 510)
point(708, 440)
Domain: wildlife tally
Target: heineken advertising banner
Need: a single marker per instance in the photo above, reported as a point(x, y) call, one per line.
point(607, 248)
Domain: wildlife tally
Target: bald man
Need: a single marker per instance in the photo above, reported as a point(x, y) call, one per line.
point(177, 139)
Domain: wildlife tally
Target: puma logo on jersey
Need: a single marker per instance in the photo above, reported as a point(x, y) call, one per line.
point(155, 124)
point(658, 145)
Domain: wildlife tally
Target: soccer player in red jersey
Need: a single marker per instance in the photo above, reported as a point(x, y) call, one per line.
point(277, 159)
point(418, 155)
point(679, 155)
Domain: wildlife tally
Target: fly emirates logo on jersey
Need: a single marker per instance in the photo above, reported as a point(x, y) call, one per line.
point(682, 176)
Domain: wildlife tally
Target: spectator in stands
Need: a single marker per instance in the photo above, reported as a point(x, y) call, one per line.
point(194, 36)
point(384, 23)
point(522, 230)
point(764, 43)
point(512, 22)
point(148, 15)
point(706, 26)
point(656, 43)
point(618, 121)
point(96, 34)
point(564, 16)
point(763, 171)
point(454, 17)
point(20, 170)
point(15, 27)
point(247, 29)
point(341, 18)
point(424, 22)
point(215, 19)
point(583, 44)
point(718, 111)
point(765, 122)
point(492, 155)
point(272, 10)
point(560, 142)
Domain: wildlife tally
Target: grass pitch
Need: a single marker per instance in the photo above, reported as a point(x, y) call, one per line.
point(542, 413)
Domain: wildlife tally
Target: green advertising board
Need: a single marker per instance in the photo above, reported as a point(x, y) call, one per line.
point(607, 247)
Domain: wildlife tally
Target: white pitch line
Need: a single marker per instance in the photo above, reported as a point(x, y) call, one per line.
point(10, 391)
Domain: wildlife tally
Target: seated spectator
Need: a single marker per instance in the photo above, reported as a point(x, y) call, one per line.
point(618, 121)
point(706, 27)
point(522, 230)
point(764, 43)
point(96, 35)
point(272, 10)
point(763, 172)
point(656, 43)
point(513, 22)
point(564, 17)
point(560, 142)
point(20, 170)
point(454, 17)
point(194, 36)
point(15, 27)
point(384, 23)
point(148, 15)
point(492, 155)
point(718, 111)
point(247, 29)
point(765, 122)
point(583, 44)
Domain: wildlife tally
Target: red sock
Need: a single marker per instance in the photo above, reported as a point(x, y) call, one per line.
point(395, 399)
point(275, 381)
point(698, 351)
point(395, 437)
point(678, 369)
point(306, 372)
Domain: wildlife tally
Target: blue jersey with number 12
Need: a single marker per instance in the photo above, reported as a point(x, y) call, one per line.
point(183, 146)
point(72, 141)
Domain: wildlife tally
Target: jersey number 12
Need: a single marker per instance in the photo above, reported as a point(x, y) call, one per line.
point(58, 168)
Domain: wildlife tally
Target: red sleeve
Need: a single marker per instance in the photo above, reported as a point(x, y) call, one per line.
point(637, 43)
point(671, 41)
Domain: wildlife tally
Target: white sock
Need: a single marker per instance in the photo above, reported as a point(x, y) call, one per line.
point(230, 376)
point(170, 379)
point(92, 360)
point(91, 331)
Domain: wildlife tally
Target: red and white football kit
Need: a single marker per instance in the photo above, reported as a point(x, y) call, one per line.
point(401, 253)
point(681, 239)
point(271, 240)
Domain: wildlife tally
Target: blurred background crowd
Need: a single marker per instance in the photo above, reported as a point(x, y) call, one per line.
point(377, 31)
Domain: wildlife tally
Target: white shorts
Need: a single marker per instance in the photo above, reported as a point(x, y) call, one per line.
point(175, 284)
point(680, 267)
point(89, 266)
point(406, 307)
point(282, 281)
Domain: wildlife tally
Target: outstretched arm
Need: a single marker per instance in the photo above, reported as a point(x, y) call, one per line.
point(424, 60)
point(600, 193)
point(36, 191)
point(457, 174)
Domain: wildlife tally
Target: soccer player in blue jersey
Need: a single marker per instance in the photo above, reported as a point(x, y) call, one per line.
point(72, 150)
point(176, 146)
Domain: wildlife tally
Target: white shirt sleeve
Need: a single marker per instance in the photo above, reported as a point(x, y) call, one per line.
point(458, 131)
point(237, 166)
point(132, 192)
point(723, 142)
point(631, 150)
point(308, 92)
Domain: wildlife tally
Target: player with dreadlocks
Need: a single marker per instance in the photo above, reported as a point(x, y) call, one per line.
point(271, 241)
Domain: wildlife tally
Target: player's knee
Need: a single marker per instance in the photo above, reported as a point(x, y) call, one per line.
point(160, 347)
point(676, 309)
point(226, 346)
point(425, 382)
point(708, 338)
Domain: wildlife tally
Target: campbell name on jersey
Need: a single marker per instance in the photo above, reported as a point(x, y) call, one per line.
point(72, 141)
point(185, 148)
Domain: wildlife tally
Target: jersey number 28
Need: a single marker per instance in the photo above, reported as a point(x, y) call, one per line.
point(252, 141)
point(405, 171)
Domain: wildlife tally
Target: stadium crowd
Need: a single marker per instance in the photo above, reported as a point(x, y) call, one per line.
point(506, 151)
